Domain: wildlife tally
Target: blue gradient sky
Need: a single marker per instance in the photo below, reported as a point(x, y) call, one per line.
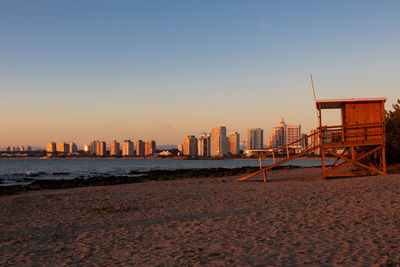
point(84, 70)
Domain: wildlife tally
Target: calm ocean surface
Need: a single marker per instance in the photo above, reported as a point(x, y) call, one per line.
point(23, 171)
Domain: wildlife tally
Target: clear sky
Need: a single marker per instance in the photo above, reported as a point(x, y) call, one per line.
point(83, 70)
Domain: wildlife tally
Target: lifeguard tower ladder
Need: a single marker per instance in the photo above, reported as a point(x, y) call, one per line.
point(360, 139)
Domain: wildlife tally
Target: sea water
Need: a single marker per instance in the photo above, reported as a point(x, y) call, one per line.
point(24, 171)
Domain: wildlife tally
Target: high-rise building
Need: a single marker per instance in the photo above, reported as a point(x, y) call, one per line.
point(51, 148)
point(255, 138)
point(28, 148)
point(140, 149)
point(13, 149)
point(114, 148)
point(304, 143)
point(21, 148)
point(278, 136)
point(190, 146)
point(284, 134)
point(234, 143)
point(63, 147)
point(101, 148)
point(73, 148)
point(93, 148)
point(203, 145)
point(180, 148)
point(293, 134)
point(149, 147)
point(127, 148)
point(218, 146)
point(315, 141)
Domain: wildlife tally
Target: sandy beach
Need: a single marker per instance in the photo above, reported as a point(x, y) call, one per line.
point(354, 221)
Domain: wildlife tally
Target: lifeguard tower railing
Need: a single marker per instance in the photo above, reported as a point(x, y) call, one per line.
point(312, 139)
point(359, 134)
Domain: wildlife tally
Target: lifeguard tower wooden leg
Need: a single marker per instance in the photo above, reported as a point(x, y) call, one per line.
point(323, 163)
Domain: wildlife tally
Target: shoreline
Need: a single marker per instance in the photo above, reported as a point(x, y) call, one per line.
point(146, 176)
point(157, 176)
point(135, 177)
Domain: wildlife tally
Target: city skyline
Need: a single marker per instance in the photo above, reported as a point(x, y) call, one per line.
point(92, 70)
point(109, 142)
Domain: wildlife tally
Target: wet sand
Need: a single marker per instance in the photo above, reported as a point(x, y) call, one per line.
point(295, 219)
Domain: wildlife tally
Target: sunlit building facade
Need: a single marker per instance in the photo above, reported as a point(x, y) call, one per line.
point(51, 148)
point(127, 148)
point(284, 134)
point(149, 147)
point(101, 148)
point(93, 148)
point(293, 133)
point(140, 148)
point(234, 143)
point(218, 147)
point(190, 146)
point(255, 138)
point(180, 148)
point(114, 148)
point(63, 147)
point(73, 148)
point(203, 145)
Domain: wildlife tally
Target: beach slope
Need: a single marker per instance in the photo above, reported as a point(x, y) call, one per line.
point(207, 221)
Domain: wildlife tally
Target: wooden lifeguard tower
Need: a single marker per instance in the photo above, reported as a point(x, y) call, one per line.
point(360, 138)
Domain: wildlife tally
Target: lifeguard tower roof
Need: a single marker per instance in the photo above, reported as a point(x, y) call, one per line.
point(337, 103)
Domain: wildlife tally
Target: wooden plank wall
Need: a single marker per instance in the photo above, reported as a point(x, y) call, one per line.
point(363, 113)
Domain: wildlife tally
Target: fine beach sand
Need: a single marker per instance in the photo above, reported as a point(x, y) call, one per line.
point(207, 221)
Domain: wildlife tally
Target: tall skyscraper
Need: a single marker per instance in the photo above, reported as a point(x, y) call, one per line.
point(140, 149)
point(63, 147)
point(127, 148)
point(51, 148)
point(114, 148)
point(284, 134)
point(190, 146)
point(293, 134)
point(255, 138)
point(101, 148)
point(149, 147)
point(28, 148)
point(73, 148)
point(93, 148)
point(203, 144)
point(234, 143)
point(218, 142)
